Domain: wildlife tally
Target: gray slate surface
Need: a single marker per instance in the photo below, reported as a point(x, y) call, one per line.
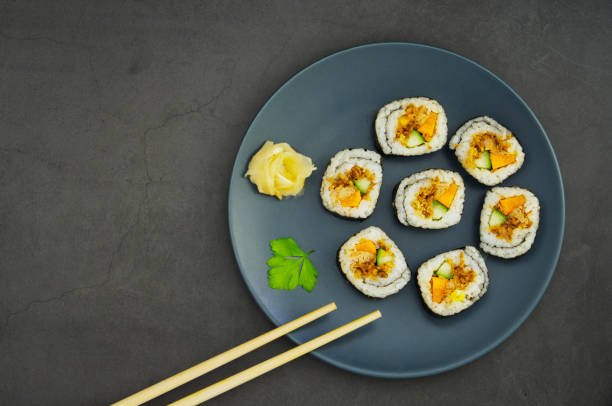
point(119, 122)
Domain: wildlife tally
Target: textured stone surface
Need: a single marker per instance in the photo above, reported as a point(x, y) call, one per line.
point(119, 122)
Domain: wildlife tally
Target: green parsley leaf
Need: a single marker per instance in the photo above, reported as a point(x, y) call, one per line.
point(308, 276)
point(285, 274)
point(290, 266)
point(286, 247)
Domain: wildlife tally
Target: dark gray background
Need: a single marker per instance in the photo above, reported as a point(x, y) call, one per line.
point(119, 123)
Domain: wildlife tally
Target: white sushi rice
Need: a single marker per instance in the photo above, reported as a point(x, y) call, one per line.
point(342, 162)
point(387, 121)
point(460, 142)
point(522, 238)
point(409, 187)
point(381, 287)
point(474, 291)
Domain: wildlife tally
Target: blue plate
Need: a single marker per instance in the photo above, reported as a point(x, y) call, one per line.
point(331, 105)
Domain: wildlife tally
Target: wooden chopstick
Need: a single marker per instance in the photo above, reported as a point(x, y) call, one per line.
point(274, 362)
point(200, 369)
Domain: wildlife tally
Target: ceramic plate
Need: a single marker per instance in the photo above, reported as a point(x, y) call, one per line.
point(330, 106)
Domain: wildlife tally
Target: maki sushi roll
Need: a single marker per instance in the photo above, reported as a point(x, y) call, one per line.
point(351, 183)
point(487, 150)
point(430, 199)
point(411, 126)
point(508, 221)
point(453, 281)
point(371, 261)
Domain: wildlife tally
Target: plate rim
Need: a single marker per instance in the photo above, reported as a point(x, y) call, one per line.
point(472, 356)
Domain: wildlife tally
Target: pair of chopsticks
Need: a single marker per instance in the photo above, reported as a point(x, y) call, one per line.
point(220, 387)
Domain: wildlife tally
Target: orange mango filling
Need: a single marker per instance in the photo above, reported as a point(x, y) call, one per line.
point(423, 202)
point(349, 197)
point(364, 260)
point(510, 203)
point(428, 128)
point(501, 160)
point(344, 190)
point(442, 288)
point(438, 288)
point(366, 245)
point(516, 217)
point(497, 146)
point(416, 118)
point(446, 198)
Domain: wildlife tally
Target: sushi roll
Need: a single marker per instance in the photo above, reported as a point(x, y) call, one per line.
point(430, 199)
point(453, 281)
point(508, 221)
point(411, 126)
point(371, 261)
point(487, 150)
point(351, 183)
